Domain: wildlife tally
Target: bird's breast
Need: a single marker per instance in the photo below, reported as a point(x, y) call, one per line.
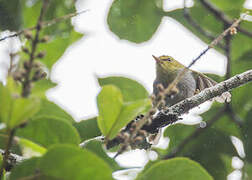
point(186, 88)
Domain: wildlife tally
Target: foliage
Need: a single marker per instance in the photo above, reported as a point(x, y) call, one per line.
point(49, 132)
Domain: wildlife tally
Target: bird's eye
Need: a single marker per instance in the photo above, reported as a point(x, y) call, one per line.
point(168, 59)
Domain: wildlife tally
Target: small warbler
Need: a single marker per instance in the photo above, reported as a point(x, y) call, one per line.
point(192, 82)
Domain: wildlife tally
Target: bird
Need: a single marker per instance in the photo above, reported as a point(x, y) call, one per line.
point(191, 83)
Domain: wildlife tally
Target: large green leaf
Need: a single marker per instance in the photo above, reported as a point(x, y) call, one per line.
point(97, 148)
point(40, 87)
point(62, 34)
point(5, 103)
point(55, 9)
point(214, 143)
point(131, 89)
point(10, 15)
point(208, 149)
point(133, 20)
point(68, 162)
point(241, 101)
point(55, 48)
point(110, 102)
point(224, 124)
point(52, 110)
point(229, 7)
point(247, 170)
point(22, 110)
point(48, 131)
point(28, 169)
point(177, 133)
point(113, 113)
point(87, 128)
point(208, 23)
point(242, 45)
point(128, 112)
point(176, 169)
point(30, 148)
point(247, 135)
point(25, 169)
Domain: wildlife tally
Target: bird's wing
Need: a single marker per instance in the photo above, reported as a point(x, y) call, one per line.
point(202, 82)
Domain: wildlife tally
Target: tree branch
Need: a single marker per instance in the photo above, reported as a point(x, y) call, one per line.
point(171, 114)
point(209, 93)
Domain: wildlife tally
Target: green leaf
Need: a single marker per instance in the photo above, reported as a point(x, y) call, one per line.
point(241, 102)
point(70, 162)
point(62, 34)
point(40, 87)
point(55, 9)
point(10, 15)
point(229, 7)
point(97, 148)
point(31, 147)
point(5, 103)
point(128, 112)
point(48, 131)
point(227, 160)
point(247, 170)
point(213, 142)
point(208, 23)
point(177, 133)
point(224, 124)
point(56, 48)
point(110, 103)
point(52, 110)
point(133, 20)
point(113, 113)
point(131, 89)
point(239, 52)
point(87, 128)
point(24, 169)
point(247, 135)
point(22, 110)
point(176, 169)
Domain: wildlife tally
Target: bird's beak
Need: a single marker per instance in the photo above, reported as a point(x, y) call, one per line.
point(156, 59)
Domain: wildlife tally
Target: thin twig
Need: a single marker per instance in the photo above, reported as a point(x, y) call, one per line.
point(195, 134)
point(220, 15)
point(45, 24)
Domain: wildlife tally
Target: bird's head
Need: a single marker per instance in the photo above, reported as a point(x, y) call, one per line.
point(167, 64)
